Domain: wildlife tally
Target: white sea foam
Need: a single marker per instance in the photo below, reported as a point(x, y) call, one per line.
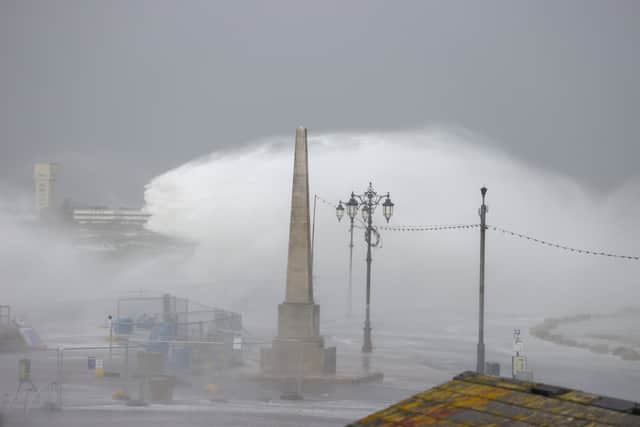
point(236, 205)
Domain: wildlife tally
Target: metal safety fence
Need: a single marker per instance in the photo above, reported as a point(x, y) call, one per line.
point(125, 371)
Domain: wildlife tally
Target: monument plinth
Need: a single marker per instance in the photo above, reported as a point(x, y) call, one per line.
point(298, 349)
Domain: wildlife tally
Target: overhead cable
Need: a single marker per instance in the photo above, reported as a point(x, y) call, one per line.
point(413, 228)
point(563, 247)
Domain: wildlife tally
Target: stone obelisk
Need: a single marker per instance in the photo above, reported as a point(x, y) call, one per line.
point(299, 348)
point(299, 279)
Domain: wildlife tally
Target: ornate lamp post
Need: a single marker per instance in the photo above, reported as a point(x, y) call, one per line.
point(351, 212)
point(366, 203)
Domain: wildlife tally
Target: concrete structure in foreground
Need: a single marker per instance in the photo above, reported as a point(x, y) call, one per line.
point(472, 399)
point(298, 349)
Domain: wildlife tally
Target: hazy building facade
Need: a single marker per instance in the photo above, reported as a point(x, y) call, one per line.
point(44, 177)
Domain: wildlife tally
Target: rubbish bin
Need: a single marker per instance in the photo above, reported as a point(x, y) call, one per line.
point(91, 363)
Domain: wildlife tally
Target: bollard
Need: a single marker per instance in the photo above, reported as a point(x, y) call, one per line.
point(24, 371)
point(99, 368)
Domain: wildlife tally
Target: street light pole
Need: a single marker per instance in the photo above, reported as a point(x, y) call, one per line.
point(110, 336)
point(367, 346)
point(350, 295)
point(366, 204)
point(480, 367)
point(313, 230)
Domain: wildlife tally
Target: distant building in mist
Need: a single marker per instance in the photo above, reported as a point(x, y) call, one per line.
point(97, 228)
point(44, 177)
point(103, 228)
point(123, 218)
point(121, 231)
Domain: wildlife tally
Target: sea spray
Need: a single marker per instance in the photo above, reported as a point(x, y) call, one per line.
point(236, 205)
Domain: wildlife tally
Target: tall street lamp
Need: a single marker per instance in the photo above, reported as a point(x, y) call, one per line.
point(366, 203)
point(352, 210)
point(480, 366)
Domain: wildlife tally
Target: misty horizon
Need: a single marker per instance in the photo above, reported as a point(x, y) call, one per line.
point(119, 93)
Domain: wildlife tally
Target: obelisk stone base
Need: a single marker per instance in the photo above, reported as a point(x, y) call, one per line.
point(298, 320)
point(298, 358)
point(298, 349)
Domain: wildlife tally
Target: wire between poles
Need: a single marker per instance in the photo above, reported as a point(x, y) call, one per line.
point(563, 247)
point(412, 228)
point(325, 201)
point(427, 227)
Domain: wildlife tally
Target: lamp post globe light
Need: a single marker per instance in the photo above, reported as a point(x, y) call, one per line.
point(352, 208)
point(340, 211)
point(366, 203)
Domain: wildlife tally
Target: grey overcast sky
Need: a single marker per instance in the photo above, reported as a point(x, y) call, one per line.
point(119, 91)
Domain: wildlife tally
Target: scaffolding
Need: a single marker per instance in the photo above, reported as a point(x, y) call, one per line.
point(182, 329)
